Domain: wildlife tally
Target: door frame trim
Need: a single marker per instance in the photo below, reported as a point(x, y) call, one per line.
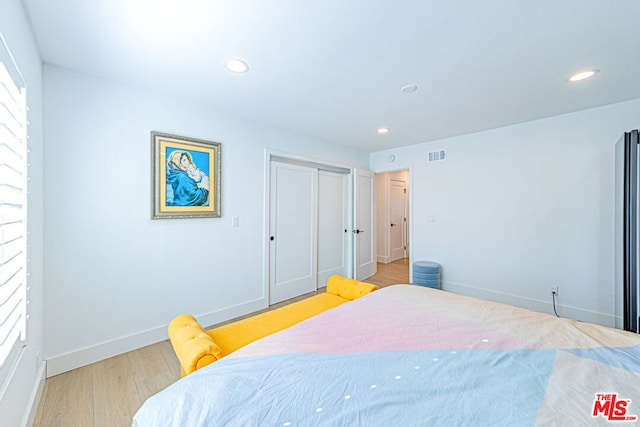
point(410, 168)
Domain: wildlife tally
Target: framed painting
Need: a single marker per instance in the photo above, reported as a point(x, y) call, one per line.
point(185, 177)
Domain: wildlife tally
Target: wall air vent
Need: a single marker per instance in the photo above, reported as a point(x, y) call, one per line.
point(437, 156)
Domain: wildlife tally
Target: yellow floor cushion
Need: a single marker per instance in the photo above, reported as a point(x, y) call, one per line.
point(238, 334)
point(196, 347)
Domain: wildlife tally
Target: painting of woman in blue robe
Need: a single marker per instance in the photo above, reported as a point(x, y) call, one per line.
point(186, 184)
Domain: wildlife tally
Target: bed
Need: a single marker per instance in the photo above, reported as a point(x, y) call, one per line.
point(409, 355)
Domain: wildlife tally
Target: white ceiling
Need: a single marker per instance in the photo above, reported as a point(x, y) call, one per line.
point(333, 69)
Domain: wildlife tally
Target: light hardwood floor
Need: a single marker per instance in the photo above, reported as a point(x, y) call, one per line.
point(109, 392)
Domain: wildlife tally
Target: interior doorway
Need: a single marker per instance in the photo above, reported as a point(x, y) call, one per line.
point(393, 219)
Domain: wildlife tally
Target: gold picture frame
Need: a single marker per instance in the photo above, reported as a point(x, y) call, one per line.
point(185, 177)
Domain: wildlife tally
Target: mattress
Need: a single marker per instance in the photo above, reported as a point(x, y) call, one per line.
point(409, 355)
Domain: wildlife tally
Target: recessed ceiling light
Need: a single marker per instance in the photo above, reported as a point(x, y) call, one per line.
point(409, 88)
point(237, 66)
point(383, 130)
point(582, 75)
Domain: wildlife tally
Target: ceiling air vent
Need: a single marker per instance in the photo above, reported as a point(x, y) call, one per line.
point(437, 156)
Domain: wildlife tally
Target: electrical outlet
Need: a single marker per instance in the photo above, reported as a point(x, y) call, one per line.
point(553, 290)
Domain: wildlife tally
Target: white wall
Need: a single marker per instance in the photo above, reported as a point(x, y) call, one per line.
point(115, 278)
point(24, 384)
point(514, 210)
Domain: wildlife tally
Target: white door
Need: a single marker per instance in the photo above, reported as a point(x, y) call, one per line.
point(333, 230)
point(364, 223)
point(397, 195)
point(292, 231)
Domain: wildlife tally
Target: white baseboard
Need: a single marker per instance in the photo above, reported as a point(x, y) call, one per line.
point(88, 355)
point(567, 311)
point(36, 395)
point(383, 259)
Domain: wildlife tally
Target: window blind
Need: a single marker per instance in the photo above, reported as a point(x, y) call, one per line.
point(13, 213)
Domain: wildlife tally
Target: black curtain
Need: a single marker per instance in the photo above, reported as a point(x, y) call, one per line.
point(630, 230)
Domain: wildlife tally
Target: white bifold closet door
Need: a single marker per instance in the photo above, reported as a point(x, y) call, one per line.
point(293, 231)
point(333, 223)
point(308, 229)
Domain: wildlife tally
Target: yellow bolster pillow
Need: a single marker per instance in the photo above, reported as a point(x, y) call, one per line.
point(192, 345)
point(181, 321)
point(348, 288)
